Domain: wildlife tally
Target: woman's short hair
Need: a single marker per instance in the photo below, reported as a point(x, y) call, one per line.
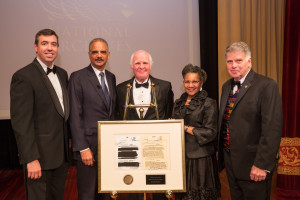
point(189, 68)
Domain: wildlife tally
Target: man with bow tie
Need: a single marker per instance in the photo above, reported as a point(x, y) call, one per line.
point(140, 93)
point(39, 114)
point(250, 125)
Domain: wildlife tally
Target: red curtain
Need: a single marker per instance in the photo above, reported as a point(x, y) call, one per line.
point(288, 178)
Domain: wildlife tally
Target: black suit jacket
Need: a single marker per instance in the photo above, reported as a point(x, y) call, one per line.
point(38, 120)
point(164, 98)
point(255, 124)
point(88, 106)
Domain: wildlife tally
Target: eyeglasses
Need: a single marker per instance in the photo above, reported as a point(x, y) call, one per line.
point(193, 82)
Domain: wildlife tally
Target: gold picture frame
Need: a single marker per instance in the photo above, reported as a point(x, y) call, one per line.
point(141, 156)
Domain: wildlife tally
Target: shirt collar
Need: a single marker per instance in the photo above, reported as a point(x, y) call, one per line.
point(44, 66)
point(147, 80)
point(97, 71)
point(243, 79)
point(136, 81)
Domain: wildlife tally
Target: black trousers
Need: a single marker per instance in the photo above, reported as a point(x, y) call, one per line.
point(246, 189)
point(87, 178)
point(140, 196)
point(51, 185)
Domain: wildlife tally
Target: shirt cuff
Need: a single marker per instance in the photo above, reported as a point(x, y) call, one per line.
point(84, 150)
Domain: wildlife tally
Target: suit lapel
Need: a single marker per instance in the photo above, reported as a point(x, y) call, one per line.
point(151, 111)
point(245, 86)
point(50, 88)
point(225, 94)
point(157, 88)
point(131, 99)
point(96, 85)
point(224, 98)
point(65, 95)
point(110, 81)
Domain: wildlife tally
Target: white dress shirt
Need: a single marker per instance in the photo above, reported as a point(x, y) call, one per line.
point(97, 72)
point(142, 95)
point(235, 88)
point(55, 83)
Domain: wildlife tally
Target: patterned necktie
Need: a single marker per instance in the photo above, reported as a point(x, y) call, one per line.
point(104, 89)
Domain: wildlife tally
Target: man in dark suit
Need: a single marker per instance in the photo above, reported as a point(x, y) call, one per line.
point(140, 93)
point(250, 125)
point(39, 113)
point(92, 93)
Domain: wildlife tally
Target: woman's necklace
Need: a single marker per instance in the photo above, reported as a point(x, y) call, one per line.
point(187, 102)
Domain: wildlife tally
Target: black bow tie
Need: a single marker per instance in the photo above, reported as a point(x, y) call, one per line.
point(49, 70)
point(236, 83)
point(145, 85)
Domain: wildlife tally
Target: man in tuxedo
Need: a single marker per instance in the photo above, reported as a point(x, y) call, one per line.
point(39, 114)
point(92, 93)
point(250, 125)
point(140, 93)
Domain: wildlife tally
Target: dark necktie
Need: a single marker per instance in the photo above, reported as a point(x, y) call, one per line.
point(145, 85)
point(49, 70)
point(104, 88)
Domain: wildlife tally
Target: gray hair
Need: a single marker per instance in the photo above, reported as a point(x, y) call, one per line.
point(150, 57)
point(240, 47)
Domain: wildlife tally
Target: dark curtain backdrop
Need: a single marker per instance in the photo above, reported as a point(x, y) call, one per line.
point(208, 18)
point(8, 147)
point(288, 178)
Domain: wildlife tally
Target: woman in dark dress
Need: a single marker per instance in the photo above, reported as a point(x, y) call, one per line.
point(200, 123)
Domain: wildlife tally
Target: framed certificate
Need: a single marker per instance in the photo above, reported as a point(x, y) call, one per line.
point(141, 156)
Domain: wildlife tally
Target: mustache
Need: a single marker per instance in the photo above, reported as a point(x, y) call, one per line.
point(99, 59)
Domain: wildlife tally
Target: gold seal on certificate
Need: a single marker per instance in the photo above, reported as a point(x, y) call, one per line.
point(128, 179)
